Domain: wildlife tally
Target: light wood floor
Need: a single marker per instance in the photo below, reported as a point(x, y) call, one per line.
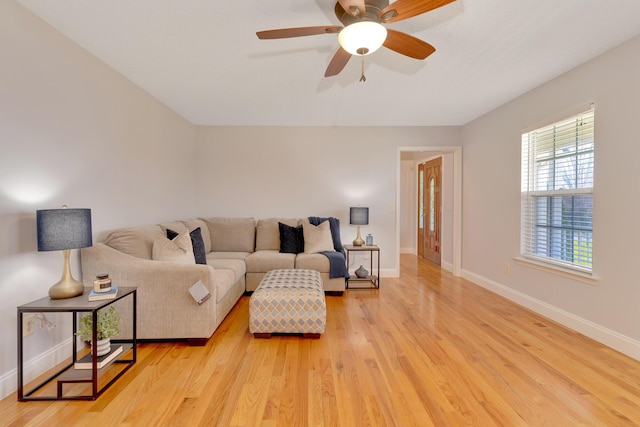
point(426, 349)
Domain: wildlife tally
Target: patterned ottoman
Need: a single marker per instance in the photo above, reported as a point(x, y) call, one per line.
point(288, 301)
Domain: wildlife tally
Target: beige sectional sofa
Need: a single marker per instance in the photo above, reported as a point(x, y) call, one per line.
point(239, 252)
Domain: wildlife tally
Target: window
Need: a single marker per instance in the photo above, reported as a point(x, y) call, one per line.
point(421, 199)
point(557, 193)
point(432, 204)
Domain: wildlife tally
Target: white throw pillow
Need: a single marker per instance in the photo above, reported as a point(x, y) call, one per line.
point(179, 250)
point(317, 238)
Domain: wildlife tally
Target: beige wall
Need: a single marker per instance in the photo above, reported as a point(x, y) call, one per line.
point(607, 311)
point(310, 171)
point(73, 132)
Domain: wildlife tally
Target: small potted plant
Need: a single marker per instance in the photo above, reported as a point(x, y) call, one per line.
point(108, 326)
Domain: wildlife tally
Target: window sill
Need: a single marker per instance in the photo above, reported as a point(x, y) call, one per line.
point(558, 271)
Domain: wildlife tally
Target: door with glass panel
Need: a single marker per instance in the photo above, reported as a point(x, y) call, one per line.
point(429, 202)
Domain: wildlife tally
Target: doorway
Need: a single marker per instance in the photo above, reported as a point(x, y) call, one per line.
point(429, 210)
point(408, 159)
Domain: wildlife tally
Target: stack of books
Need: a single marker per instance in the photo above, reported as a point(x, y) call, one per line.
point(87, 361)
point(99, 296)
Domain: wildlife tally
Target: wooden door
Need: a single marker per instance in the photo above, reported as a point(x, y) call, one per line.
point(429, 202)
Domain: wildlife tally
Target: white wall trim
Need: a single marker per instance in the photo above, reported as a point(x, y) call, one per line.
point(389, 273)
point(35, 367)
point(608, 337)
point(447, 266)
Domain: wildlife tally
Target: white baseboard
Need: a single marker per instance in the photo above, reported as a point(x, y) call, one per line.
point(606, 336)
point(34, 367)
point(446, 266)
point(389, 272)
point(411, 251)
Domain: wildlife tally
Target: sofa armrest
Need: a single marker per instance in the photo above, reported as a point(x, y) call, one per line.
point(165, 306)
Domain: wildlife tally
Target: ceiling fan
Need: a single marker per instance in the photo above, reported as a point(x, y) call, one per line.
point(363, 32)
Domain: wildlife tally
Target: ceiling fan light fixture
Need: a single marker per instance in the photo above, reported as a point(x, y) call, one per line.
point(362, 38)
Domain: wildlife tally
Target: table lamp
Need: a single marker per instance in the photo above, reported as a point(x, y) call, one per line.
point(64, 229)
point(358, 216)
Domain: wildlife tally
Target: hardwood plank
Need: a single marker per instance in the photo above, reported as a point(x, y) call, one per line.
point(425, 349)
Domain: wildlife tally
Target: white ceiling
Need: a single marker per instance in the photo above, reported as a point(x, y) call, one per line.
point(203, 59)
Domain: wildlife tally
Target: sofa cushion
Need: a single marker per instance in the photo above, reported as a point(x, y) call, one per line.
point(224, 281)
point(134, 241)
point(263, 261)
point(178, 250)
point(231, 234)
point(176, 226)
point(268, 233)
point(291, 239)
point(317, 238)
point(192, 224)
point(227, 255)
point(238, 266)
point(317, 262)
point(197, 243)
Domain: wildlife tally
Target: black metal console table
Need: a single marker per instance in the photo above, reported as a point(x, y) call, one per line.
point(67, 375)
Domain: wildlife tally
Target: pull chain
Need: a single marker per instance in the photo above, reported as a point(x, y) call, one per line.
point(363, 78)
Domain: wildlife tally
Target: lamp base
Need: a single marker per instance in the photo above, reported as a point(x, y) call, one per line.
point(67, 286)
point(358, 241)
point(66, 289)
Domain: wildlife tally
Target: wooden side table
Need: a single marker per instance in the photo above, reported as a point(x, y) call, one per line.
point(372, 279)
point(67, 375)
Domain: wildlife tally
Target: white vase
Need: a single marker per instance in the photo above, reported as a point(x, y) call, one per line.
point(103, 346)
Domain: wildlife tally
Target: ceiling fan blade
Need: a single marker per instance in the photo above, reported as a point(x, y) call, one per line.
point(353, 7)
point(407, 45)
point(403, 9)
point(338, 62)
point(284, 33)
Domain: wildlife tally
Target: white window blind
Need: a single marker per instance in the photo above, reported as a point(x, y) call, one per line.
point(557, 193)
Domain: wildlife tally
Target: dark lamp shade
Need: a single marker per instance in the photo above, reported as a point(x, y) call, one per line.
point(359, 216)
point(61, 229)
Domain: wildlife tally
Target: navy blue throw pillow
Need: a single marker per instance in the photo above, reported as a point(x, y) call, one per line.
point(291, 239)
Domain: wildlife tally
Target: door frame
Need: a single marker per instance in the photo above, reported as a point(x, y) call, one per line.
point(456, 266)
